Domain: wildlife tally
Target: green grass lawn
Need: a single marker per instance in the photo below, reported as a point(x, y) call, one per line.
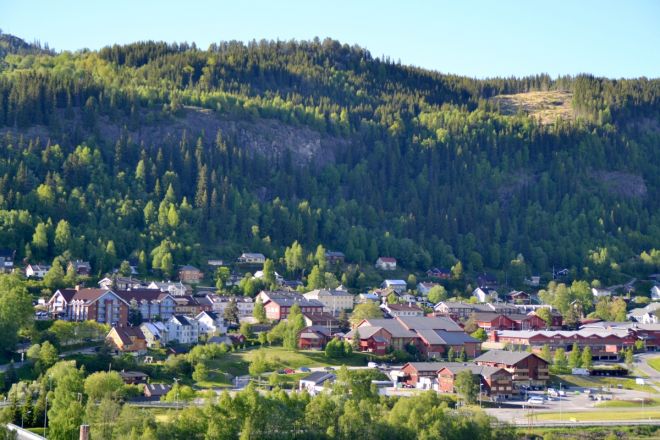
point(601, 381)
point(591, 416)
point(237, 363)
point(628, 403)
point(655, 363)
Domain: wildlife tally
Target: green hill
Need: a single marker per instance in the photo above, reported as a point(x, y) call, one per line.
point(157, 149)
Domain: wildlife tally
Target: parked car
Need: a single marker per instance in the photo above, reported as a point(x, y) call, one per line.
point(329, 369)
point(536, 400)
point(304, 369)
point(289, 371)
point(372, 365)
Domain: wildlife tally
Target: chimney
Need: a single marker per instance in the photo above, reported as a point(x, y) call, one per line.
point(84, 432)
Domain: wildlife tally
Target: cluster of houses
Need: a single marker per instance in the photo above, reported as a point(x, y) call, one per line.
point(156, 314)
point(501, 374)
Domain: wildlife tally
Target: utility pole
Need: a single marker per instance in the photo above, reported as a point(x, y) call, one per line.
point(176, 395)
point(560, 418)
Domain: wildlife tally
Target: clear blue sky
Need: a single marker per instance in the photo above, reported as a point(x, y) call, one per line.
point(475, 38)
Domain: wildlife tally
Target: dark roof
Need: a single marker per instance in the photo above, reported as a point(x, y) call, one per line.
point(182, 319)
point(141, 295)
point(188, 267)
point(132, 374)
point(318, 377)
point(158, 389)
point(67, 294)
point(214, 316)
point(455, 338)
point(504, 357)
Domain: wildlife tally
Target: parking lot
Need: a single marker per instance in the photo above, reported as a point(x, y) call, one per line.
point(576, 400)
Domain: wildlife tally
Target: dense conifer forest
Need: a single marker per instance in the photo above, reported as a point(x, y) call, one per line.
point(169, 154)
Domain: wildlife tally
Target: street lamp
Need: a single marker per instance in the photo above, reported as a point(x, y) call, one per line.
point(29, 412)
point(480, 387)
point(176, 395)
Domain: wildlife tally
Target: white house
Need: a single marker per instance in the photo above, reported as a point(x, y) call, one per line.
point(155, 333)
point(314, 383)
point(398, 286)
point(655, 293)
point(425, 287)
point(36, 270)
point(334, 301)
point(402, 310)
point(600, 292)
point(210, 323)
point(183, 329)
point(252, 258)
point(485, 294)
point(386, 263)
point(173, 288)
point(220, 302)
point(279, 279)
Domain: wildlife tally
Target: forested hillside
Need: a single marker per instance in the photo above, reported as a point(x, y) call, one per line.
point(152, 149)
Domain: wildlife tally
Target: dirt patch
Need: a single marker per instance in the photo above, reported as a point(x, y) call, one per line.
point(620, 183)
point(545, 106)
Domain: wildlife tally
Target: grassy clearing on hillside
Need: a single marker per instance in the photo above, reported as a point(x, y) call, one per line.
point(237, 363)
point(546, 106)
point(601, 381)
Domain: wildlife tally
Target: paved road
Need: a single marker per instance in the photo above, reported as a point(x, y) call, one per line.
point(641, 363)
point(565, 406)
point(17, 365)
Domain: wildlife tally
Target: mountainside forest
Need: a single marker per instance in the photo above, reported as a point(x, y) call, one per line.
point(170, 154)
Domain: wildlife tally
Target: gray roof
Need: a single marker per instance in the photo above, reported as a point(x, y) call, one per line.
point(483, 370)
point(428, 366)
point(318, 377)
point(442, 337)
point(365, 332)
point(393, 326)
point(302, 302)
point(504, 357)
point(429, 323)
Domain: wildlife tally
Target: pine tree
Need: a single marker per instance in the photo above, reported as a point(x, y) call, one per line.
point(27, 411)
point(575, 359)
point(587, 359)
